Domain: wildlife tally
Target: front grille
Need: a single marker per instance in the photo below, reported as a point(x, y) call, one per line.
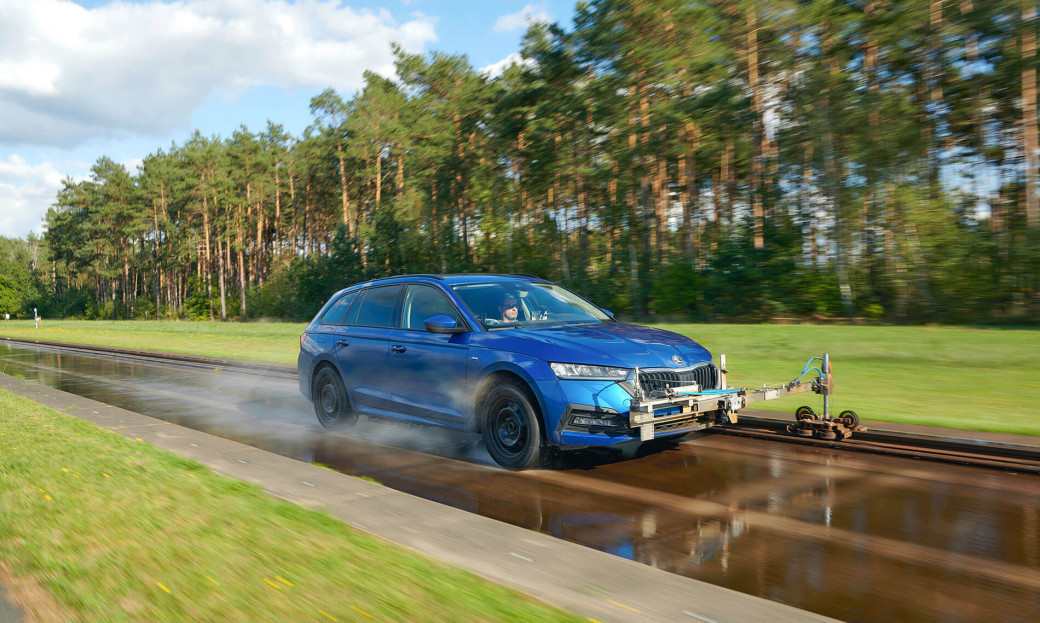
point(707, 376)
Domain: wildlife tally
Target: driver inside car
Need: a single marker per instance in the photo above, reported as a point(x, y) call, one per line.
point(508, 310)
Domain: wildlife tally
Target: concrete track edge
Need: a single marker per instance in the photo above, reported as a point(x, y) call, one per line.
point(600, 586)
point(9, 613)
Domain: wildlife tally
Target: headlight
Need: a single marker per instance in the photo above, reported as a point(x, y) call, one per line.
point(588, 373)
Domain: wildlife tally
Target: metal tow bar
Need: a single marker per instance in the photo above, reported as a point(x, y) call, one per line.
point(692, 408)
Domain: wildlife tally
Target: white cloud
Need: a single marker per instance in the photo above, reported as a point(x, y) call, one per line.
point(70, 74)
point(495, 70)
point(133, 165)
point(530, 14)
point(17, 168)
point(31, 76)
point(24, 188)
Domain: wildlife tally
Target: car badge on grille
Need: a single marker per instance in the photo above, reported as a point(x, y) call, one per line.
point(677, 360)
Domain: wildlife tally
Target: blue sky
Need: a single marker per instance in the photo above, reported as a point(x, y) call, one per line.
point(81, 80)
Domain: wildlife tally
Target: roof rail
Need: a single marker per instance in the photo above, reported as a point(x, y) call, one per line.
point(526, 275)
point(430, 275)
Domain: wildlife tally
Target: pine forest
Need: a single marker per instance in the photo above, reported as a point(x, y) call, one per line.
point(708, 160)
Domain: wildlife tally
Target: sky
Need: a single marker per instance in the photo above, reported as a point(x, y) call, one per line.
point(123, 79)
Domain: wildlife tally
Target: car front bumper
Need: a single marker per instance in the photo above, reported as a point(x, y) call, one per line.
point(599, 413)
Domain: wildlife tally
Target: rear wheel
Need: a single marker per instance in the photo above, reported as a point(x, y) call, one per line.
point(512, 432)
point(330, 400)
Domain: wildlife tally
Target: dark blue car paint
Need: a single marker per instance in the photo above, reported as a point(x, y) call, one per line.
point(436, 377)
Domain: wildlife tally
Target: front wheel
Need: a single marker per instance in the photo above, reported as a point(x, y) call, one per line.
point(330, 400)
point(512, 432)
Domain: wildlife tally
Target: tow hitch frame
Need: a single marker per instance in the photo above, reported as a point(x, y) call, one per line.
point(649, 410)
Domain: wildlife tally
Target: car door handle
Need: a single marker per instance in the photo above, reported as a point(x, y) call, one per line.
point(343, 343)
point(397, 348)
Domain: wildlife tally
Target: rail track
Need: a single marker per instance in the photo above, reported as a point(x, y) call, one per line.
point(969, 452)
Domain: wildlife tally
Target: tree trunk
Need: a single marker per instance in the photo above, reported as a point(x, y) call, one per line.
point(155, 254)
point(660, 186)
point(126, 271)
point(241, 280)
point(276, 225)
point(343, 188)
point(807, 188)
point(256, 276)
point(758, 129)
point(306, 225)
point(1031, 142)
point(223, 292)
point(832, 175)
point(870, 204)
point(379, 179)
point(729, 177)
point(581, 158)
point(687, 173)
point(932, 84)
point(209, 262)
point(400, 175)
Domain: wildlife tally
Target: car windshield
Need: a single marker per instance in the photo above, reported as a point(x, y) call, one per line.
point(508, 304)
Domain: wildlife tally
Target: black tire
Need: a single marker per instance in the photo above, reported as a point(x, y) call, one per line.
point(849, 419)
point(511, 428)
point(330, 400)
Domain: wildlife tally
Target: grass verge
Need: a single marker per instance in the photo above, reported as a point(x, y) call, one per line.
point(118, 530)
point(256, 341)
point(959, 377)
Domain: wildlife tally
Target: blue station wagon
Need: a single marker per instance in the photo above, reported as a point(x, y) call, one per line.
point(524, 361)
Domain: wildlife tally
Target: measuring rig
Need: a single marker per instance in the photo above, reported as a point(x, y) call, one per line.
point(666, 410)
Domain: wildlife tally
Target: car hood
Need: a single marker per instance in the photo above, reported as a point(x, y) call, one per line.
point(607, 344)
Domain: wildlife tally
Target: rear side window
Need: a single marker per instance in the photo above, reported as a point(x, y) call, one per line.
point(376, 308)
point(337, 314)
point(423, 302)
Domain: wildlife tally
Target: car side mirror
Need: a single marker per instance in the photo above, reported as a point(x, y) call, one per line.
point(607, 312)
point(443, 324)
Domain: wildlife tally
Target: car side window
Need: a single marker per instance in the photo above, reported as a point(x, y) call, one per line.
point(376, 309)
point(337, 313)
point(423, 302)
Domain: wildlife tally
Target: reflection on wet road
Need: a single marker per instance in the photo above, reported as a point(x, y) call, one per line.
point(856, 537)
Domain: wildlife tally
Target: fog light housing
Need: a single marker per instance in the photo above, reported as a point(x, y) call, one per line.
point(585, 420)
point(588, 417)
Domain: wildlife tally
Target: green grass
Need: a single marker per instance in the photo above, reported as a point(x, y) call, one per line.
point(117, 530)
point(961, 377)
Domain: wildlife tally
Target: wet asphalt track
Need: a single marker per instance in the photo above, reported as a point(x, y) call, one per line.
point(852, 536)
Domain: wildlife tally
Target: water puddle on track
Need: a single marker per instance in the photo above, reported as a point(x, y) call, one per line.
point(848, 535)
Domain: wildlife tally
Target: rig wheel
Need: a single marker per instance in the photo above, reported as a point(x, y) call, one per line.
point(849, 419)
point(804, 413)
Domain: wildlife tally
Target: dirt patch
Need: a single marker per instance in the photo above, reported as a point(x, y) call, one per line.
point(37, 605)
